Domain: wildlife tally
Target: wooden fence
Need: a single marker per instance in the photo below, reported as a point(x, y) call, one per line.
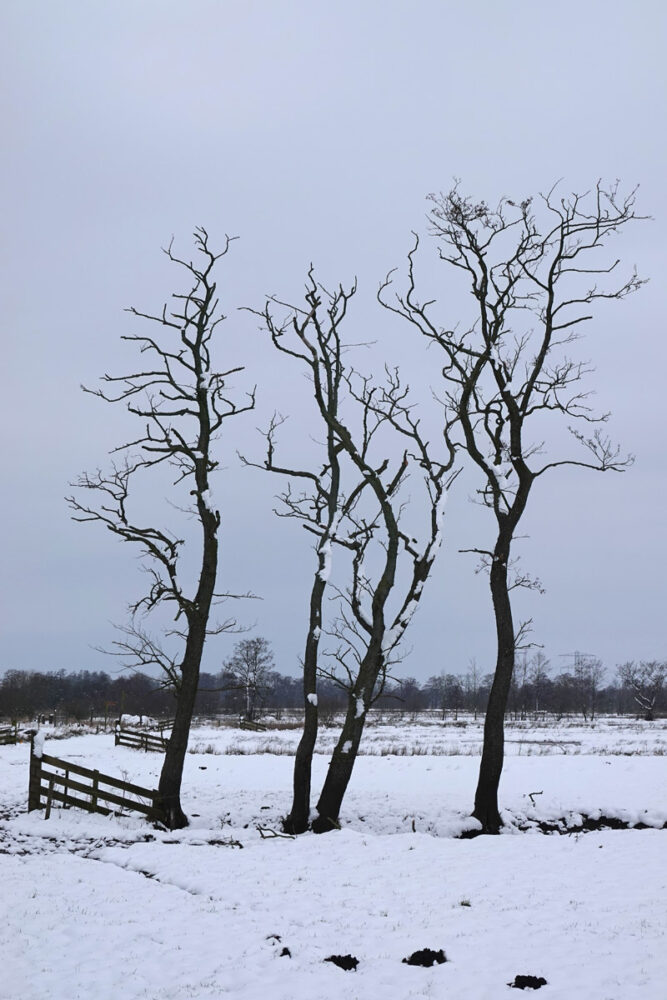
point(55, 780)
point(255, 727)
point(139, 739)
point(9, 734)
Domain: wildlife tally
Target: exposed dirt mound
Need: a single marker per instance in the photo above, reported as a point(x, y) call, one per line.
point(347, 962)
point(528, 982)
point(589, 824)
point(426, 958)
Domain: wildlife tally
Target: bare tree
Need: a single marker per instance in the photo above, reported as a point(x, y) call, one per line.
point(181, 401)
point(520, 678)
point(539, 677)
point(508, 375)
point(447, 691)
point(587, 672)
point(359, 510)
point(250, 667)
point(368, 631)
point(320, 503)
point(437, 690)
point(472, 684)
point(646, 681)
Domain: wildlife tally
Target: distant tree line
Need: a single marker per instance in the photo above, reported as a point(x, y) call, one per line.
point(246, 690)
point(90, 694)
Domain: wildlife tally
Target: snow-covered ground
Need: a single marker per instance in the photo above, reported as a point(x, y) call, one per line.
point(108, 907)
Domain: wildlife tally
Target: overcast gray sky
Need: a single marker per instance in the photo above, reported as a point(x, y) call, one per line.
point(313, 131)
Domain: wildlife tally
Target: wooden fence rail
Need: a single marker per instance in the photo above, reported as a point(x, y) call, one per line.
point(255, 727)
point(139, 740)
point(56, 780)
point(9, 734)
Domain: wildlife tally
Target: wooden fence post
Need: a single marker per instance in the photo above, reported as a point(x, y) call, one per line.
point(96, 782)
point(49, 799)
point(35, 780)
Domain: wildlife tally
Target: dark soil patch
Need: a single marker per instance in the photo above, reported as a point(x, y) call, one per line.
point(565, 826)
point(426, 958)
point(587, 825)
point(528, 982)
point(347, 962)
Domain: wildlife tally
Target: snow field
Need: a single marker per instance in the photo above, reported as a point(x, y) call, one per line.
point(431, 737)
point(175, 921)
point(91, 908)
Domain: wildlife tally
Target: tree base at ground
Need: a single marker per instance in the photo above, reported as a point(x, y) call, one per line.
point(324, 824)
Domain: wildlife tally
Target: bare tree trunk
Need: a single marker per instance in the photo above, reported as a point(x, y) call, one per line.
point(338, 775)
point(345, 751)
point(171, 776)
point(169, 787)
point(491, 766)
point(299, 816)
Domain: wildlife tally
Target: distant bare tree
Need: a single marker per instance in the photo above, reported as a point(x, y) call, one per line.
point(646, 681)
point(520, 679)
point(472, 684)
point(181, 401)
point(447, 693)
point(508, 376)
point(587, 672)
point(539, 677)
point(250, 667)
point(435, 686)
